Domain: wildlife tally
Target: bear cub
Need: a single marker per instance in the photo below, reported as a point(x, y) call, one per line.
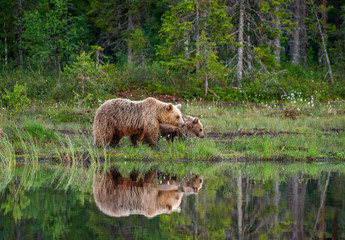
point(193, 127)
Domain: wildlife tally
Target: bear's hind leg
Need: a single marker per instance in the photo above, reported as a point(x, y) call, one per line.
point(115, 140)
point(136, 138)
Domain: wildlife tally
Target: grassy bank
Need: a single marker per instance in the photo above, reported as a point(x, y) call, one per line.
point(295, 129)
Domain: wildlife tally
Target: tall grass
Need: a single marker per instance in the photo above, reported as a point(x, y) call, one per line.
point(7, 153)
point(79, 178)
point(315, 133)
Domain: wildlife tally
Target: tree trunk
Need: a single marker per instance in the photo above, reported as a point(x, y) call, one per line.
point(195, 218)
point(5, 39)
point(239, 206)
point(295, 58)
point(324, 47)
point(206, 84)
point(240, 48)
point(303, 31)
point(20, 33)
point(250, 57)
point(197, 35)
point(47, 45)
point(295, 206)
point(302, 201)
point(97, 57)
point(322, 224)
point(129, 28)
point(324, 14)
point(338, 12)
point(322, 200)
point(276, 206)
point(277, 43)
point(335, 226)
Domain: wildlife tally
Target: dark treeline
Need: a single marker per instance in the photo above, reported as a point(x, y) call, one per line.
point(190, 48)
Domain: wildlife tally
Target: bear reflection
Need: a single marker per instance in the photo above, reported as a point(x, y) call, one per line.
point(120, 196)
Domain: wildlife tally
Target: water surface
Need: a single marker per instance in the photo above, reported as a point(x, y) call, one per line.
point(224, 201)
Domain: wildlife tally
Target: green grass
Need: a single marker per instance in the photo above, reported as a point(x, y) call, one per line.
point(252, 131)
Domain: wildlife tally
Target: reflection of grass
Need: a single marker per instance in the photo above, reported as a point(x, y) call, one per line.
point(80, 178)
point(254, 132)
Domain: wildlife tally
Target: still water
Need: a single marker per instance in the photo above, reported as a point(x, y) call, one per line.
point(174, 202)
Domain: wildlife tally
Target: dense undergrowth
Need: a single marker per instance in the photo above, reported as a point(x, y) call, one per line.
point(105, 82)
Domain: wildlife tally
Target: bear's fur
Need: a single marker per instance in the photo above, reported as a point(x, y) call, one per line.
point(119, 196)
point(2, 134)
point(193, 127)
point(189, 186)
point(119, 117)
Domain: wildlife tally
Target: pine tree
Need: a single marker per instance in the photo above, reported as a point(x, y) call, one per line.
point(121, 23)
point(190, 33)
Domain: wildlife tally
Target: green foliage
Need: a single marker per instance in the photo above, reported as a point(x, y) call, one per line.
point(68, 115)
point(138, 43)
point(185, 53)
point(49, 44)
point(86, 80)
point(211, 69)
point(36, 130)
point(51, 38)
point(16, 101)
point(263, 55)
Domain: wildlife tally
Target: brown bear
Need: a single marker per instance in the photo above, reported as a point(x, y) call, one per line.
point(119, 117)
point(193, 127)
point(119, 196)
point(187, 186)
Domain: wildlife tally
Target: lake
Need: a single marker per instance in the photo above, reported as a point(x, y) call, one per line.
point(174, 201)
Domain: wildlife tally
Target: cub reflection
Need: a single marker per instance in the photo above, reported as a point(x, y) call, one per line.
point(120, 196)
point(189, 186)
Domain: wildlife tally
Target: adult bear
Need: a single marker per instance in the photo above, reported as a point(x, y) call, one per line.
point(119, 196)
point(119, 117)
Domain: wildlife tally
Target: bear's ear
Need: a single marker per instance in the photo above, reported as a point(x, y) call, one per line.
point(178, 106)
point(170, 107)
point(196, 120)
point(169, 207)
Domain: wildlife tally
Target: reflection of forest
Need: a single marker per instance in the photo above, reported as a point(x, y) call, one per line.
point(232, 204)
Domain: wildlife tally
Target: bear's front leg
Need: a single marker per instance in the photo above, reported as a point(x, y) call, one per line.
point(115, 140)
point(151, 137)
point(151, 133)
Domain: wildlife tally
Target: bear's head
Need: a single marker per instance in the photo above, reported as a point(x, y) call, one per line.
point(193, 185)
point(195, 127)
point(172, 115)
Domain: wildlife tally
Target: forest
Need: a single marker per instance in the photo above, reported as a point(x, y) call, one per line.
point(265, 79)
point(237, 50)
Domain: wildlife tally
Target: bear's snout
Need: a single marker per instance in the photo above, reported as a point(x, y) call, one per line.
point(183, 125)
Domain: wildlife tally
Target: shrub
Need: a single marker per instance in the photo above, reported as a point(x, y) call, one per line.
point(16, 101)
